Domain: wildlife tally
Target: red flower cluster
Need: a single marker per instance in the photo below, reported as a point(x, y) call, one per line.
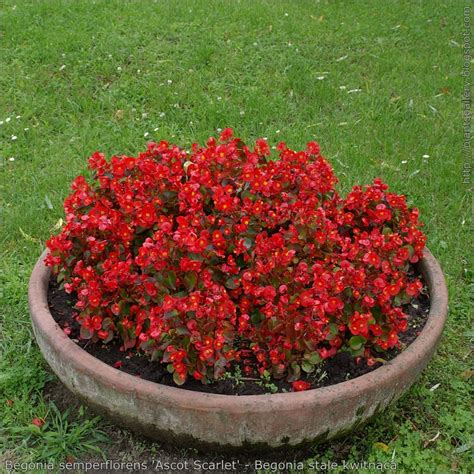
point(224, 255)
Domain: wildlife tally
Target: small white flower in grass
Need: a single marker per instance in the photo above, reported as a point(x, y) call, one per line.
point(18, 117)
point(352, 91)
point(1, 122)
point(277, 131)
point(286, 14)
point(341, 58)
point(14, 137)
point(219, 130)
point(242, 113)
point(219, 97)
point(426, 156)
point(162, 114)
point(255, 44)
point(290, 44)
point(342, 88)
point(434, 387)
point(7, 119)
point(155, 129)
point(11, 158)
point(320, 78)
point(169, 81)
point(404, 162)
point(119, 68)
point(138, 71)
point(146, 134)
point(26, 129)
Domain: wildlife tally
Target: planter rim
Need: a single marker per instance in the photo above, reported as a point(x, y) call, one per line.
point(78, 358)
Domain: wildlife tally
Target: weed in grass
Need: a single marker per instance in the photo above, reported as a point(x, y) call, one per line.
point(53, 437)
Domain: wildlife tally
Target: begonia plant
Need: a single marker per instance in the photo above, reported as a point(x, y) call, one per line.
point(225, 255)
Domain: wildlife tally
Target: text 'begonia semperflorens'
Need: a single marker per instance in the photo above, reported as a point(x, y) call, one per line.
point(223, 255)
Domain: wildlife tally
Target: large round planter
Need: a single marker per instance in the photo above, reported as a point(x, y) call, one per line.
point(227, 422)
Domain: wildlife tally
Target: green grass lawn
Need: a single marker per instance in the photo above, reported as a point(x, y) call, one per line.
point(378, 86)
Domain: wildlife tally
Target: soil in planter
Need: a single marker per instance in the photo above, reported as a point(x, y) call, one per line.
point(331, 371)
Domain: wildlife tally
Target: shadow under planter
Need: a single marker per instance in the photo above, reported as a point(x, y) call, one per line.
point(228, 422)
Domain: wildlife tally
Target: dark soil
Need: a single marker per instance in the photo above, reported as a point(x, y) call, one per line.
point(332, 371)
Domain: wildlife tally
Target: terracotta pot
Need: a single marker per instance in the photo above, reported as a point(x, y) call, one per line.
point(227, 422)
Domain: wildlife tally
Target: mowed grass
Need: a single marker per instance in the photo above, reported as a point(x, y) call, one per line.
point(378, 86)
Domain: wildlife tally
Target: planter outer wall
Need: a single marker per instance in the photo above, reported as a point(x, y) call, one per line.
point(227, 422)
